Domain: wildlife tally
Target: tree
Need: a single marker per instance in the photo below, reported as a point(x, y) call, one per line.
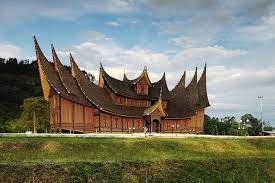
point(231, 125)
point(254, 125)
point(267, 126)
point(31, 106)
point(89, 76)
point(3, 125)
point(211, 125)
point(225, 126)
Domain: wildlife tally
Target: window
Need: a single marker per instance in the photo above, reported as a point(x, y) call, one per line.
point(142, 88)
point(121, 100)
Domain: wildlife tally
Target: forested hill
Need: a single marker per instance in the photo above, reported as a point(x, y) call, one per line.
point(19, 80)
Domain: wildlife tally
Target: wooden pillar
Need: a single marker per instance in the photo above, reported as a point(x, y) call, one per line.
point(151, 126)
point(122, 124)
point(84, 124)
point(111, 123)
point(133, 124)
point(60, 122)
point(99, 123)
point(73, 116)
point(160, 126)
point(54, 111)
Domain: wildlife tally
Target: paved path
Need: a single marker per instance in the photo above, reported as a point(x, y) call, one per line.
point(134, 135)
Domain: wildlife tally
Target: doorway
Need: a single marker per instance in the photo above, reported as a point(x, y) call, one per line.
point(156, 126)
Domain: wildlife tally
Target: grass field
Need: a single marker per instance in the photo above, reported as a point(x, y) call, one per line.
point(137, 160)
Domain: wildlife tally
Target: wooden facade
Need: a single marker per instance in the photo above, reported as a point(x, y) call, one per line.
point(119, 106)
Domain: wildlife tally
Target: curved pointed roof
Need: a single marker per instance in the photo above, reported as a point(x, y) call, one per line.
point(180, 105)
point(155, 89)
point(125, 79)
point(98, 96)
point(202, 91)
point(125, 87)
point(51, 75)
point(158, 105)
point(192, 91)
point(143, 74)
point(180, 87)
point(67, 79)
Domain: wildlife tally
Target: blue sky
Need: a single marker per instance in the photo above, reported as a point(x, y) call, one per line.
point(235, 38)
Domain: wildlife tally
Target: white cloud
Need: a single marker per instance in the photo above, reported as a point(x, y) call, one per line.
point(85, 36)
point(228, 106)
point(208, 53)
point(263, 31)
point(17, 10)
point(113, 24)
point(188, 41)
point(9, 51)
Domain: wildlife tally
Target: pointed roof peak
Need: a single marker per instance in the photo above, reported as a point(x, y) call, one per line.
point(101, 65)
point(195, 74)
point(34, 38)
point(55, 57)
point(39, 54)
point(35, 42)
point(145, 68)
point(158, 105)
point(125, 77)
point(180, 87)
point(72, 61)
point(160, 93)
point(53, 49)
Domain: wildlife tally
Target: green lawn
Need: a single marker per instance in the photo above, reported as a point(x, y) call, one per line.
point(137, 160)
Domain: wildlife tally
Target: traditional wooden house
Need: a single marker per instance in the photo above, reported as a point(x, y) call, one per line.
point(79, 105)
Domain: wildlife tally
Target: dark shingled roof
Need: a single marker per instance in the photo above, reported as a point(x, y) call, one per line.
point(52, 75)
point(154, 91)
point(68, 80)
point(99, 96)
point(203, 98)
point(125, 87)
point(179, 105)
point(181, 84)
point(192, 92)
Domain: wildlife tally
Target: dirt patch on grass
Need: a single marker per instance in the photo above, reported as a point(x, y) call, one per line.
point(50, 146)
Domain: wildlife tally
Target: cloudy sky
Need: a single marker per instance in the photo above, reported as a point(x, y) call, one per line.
point(235, 38)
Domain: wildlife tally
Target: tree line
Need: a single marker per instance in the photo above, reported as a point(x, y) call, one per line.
point(248, 125)
point(19, 81)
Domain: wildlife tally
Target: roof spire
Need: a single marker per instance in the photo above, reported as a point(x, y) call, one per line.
point(160, 93)
point(73, 65)
point(100, 65)
point(124, 76)
point(54, 53)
